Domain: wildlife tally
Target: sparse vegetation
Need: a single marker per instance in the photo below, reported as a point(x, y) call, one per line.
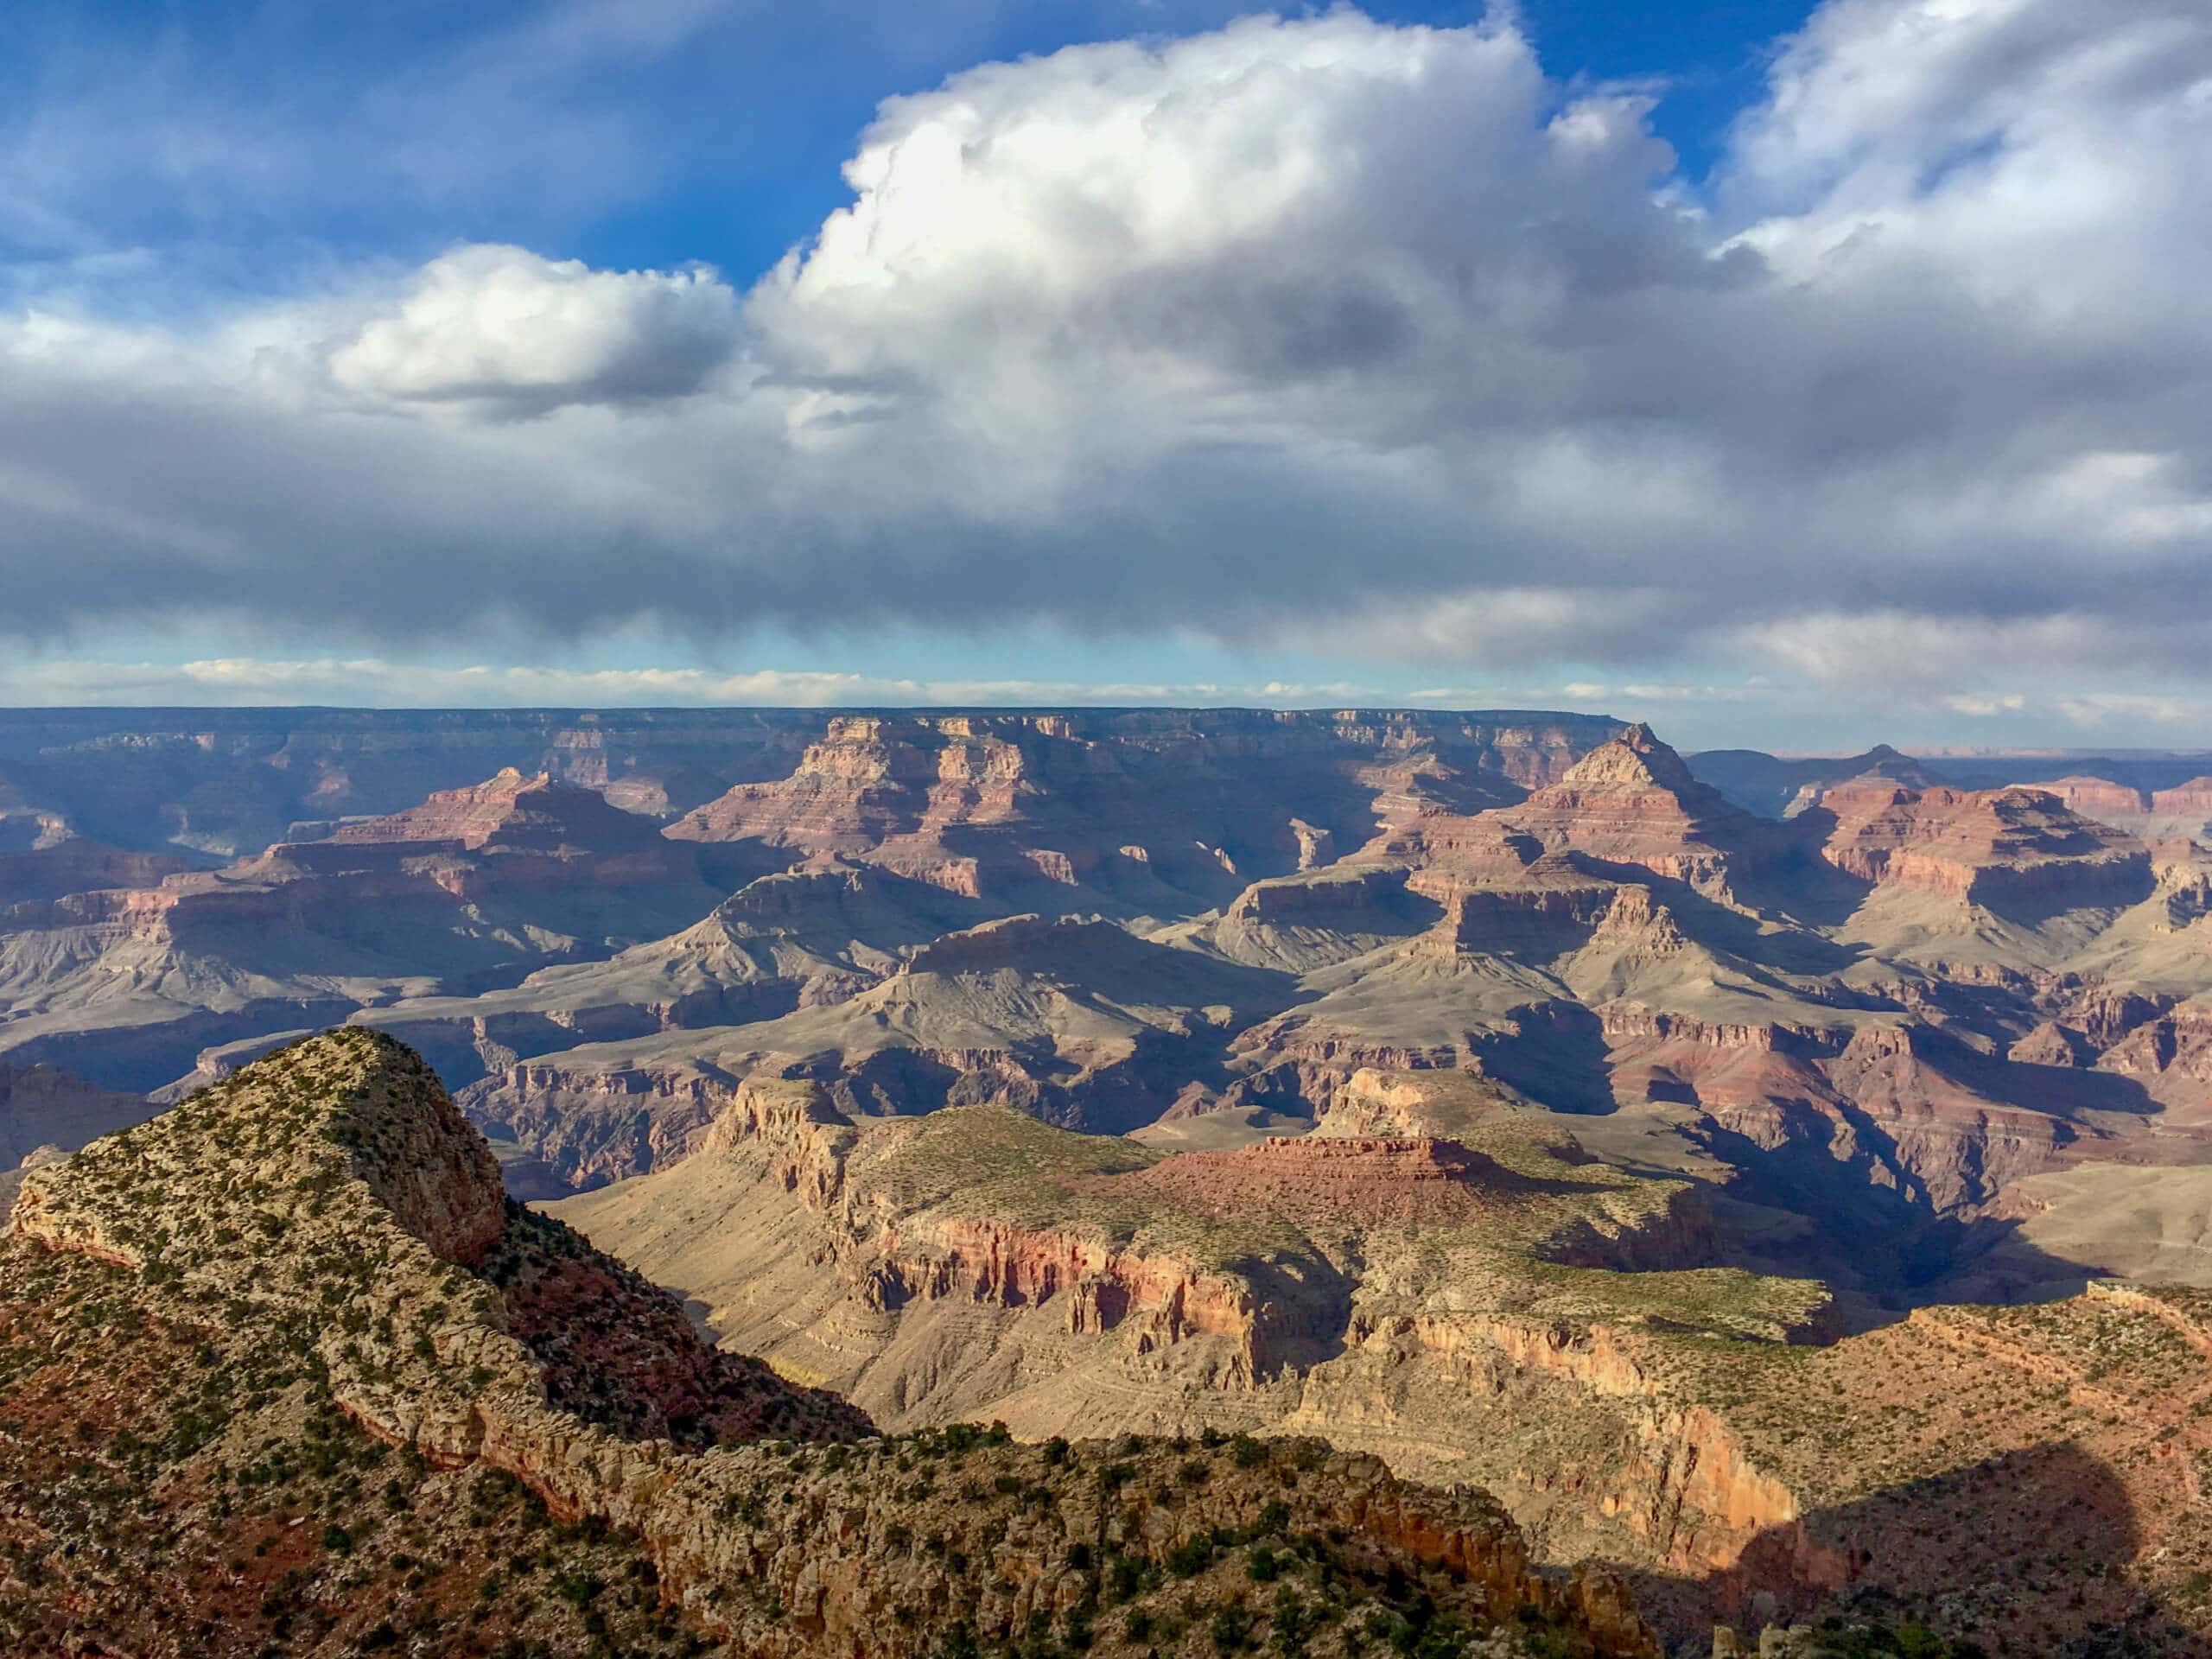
point(215, 1480)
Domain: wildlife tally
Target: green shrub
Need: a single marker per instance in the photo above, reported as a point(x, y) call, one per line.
point(1231, 1630)
point(1190, 1557)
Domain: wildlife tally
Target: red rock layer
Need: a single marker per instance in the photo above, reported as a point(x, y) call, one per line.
point(2095, 798)
point(1630, 804)
point(1987, 846)
point(1194, 799)
point(2191, 800)
point(1632, 801)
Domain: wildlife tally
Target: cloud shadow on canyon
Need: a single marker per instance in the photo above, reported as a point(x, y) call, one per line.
point(1989, 1543)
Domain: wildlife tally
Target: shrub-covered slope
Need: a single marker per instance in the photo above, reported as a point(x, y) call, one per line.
point(283, 1372)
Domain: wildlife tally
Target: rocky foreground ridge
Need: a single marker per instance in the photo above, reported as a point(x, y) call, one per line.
point(214, 1325)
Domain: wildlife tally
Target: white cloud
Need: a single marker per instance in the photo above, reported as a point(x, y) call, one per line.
point(501, 328)
point(1318, 335)
point(1916, 655)
point(1983, 708)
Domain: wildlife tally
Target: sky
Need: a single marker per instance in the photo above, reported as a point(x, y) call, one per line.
point(1789, 374)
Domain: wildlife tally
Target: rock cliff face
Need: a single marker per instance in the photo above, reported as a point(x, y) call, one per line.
point(1409, 1292)
point(2180, 813)
point(259, 1214)
point(2186, 809)
point(1629, 802)
point(1401, 1292)
point(509, 833)
point(1633, 802)
point(1136, 806)
point(45, 1113)
point(1995, 847)
point(54, 869)
point(2115, 805)
point(481, 883)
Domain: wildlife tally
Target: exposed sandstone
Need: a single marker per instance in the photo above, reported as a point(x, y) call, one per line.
point(1996, 848)
point(1290, 1284)
point(1136, 804)
point(1633, 802)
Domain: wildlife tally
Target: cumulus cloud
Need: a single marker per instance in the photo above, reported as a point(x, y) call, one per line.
point(502, 330)
point(1318, 334)
point(1985, 708)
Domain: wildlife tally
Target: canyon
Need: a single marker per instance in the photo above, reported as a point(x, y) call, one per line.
point(1682, 1150)
point(296, 1223)
point(1500, 1307)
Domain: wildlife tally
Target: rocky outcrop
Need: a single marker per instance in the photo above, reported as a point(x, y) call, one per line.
point(1994, 848)
point(1633, 802)
point(1015, 942)
point(1636, 924)
point(506, 807)
point(423, 1163)
point(1136, 803)
point(2050, 1044)
point(1381, 1103)
point(72, 864)
point(1551, 911)
point(1623, 1022)
point(1683, 1480)
point(596, 1124)
point(2172, 1052)
point(1350, 891)
point(790, 1558)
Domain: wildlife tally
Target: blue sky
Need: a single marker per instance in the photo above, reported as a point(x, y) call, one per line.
point(1798, 375)
point(742, 115)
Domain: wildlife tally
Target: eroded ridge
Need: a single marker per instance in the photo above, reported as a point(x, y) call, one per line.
point(320, 1240)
